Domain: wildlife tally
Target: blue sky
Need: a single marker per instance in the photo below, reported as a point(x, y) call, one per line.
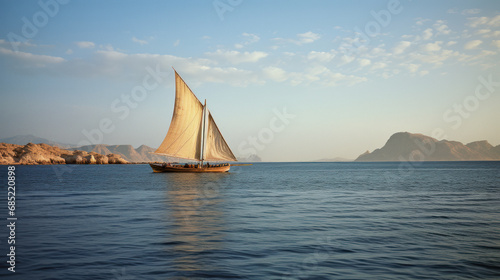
point(288, 80)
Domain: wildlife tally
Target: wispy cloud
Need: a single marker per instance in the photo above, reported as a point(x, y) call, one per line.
point(487, 21)
point(427, 34)
point(19, 43)
point(236, 57)
point(441, 27)
point(452, 11)
point(320, 75)
point(308, 37)
point(139, 41)
point(85, 44)
point(248, 39)
point(412, 68)
point(302, 38)
point(496, 43)
point(432, 47)
point(363, 62)
point(423, 72)
point(463, 12)
point(472, 44)
point(471, 11)
point(321, 56)
point(27, 60)
point(275, 74)
point(401, 47)
point(379, 65)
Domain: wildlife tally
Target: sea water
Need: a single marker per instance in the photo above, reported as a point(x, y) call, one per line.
point(431, 220)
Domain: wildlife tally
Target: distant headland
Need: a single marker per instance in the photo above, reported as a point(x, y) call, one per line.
point(405, 146)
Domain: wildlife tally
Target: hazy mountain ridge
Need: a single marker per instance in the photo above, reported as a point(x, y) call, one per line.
point(29, 138)
point(418, 147)
point(250, 158)
point(144, 153)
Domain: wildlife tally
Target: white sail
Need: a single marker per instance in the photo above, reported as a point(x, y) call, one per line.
point(184, 137)
point(216, 147)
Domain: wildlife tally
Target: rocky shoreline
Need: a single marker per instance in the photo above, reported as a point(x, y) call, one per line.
point(36, 154)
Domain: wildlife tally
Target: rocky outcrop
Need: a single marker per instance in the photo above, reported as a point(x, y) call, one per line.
point(127, 152)
point(418, 147)
point(115, 159)
point(46, 154)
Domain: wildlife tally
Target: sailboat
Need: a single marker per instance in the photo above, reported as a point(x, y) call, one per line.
point(193, 135)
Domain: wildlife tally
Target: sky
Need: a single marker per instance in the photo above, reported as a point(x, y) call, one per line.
point(286, 80)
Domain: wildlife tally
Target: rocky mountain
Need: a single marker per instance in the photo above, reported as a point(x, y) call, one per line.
point(146, 153)
point(127, 152)
point(405, 146)
point(46, 154)
point(25, 139)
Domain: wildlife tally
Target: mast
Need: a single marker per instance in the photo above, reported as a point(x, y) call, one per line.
point(203, 136)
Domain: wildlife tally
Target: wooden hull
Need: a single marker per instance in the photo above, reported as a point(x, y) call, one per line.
point(157, 168)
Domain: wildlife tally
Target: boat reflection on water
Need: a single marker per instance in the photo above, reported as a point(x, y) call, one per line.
point(196, 220)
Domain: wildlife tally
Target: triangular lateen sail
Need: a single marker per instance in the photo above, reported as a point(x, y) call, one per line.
point(183, 139)
point(216, 147)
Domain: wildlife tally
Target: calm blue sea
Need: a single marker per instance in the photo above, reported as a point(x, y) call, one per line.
point(430, 220)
